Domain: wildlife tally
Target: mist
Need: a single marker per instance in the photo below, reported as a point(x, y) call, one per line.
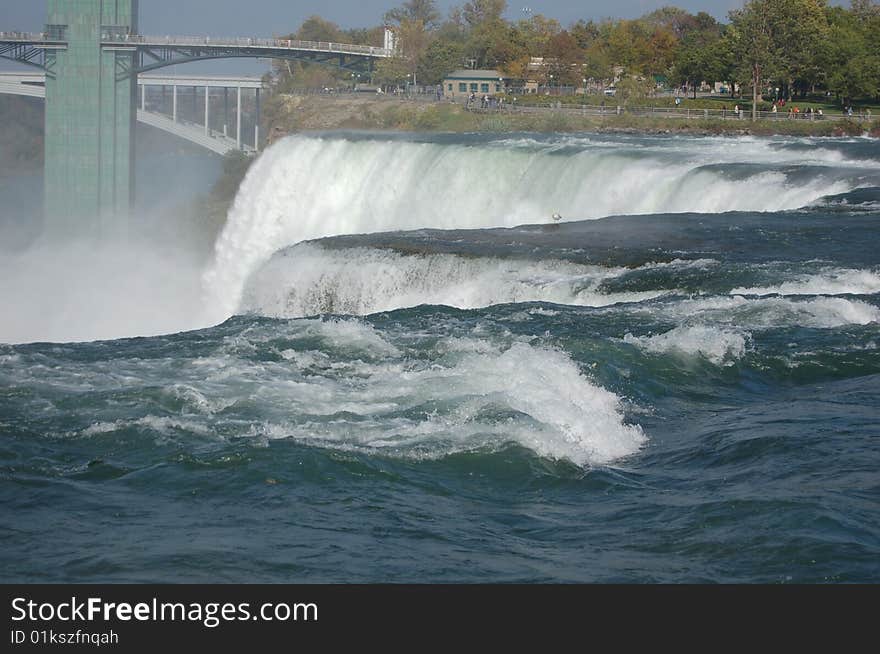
point(139, 277)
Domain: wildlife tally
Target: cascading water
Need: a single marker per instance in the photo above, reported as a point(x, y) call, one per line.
point(406, 370)
point(306, 188)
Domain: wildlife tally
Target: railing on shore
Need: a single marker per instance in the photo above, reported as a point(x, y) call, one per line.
point(374, 92)
point(674, 112)
point(428, 94)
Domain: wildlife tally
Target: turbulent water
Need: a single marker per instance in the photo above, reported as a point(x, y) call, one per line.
point(407, 370)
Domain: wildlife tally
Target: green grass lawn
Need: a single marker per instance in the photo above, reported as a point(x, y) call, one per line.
point(827, 105)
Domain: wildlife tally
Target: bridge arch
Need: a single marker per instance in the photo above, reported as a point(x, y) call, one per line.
point(91, 110)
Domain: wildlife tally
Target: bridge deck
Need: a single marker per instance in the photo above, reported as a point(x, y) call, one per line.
point(33, 85)
point(138, 40)
point(201, 81)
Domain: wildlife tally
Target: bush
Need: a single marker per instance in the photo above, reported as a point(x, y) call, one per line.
point(427, 119)
point(557, 122)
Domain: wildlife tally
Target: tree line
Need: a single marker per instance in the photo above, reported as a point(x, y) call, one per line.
point(796, 46)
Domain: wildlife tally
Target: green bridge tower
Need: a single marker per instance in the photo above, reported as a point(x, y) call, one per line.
point(91, 109)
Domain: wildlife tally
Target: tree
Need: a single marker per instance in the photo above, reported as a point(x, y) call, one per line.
point(476, 12)
point(852, 65)
point(365, 36)
point(598, 63)
point(412, 43)
point(423, 10)
point(315, 28)
point(585, 33)
point(662, 46)
point(391, 71)
point(865, 9)
point(676, 20)
point(700, 52)
point(493, 43)
point(536, 33)
point(290, 74)
point(621, 39)
point(632, 87)
point(440, 58)
point(566, 59)
point(772, 38)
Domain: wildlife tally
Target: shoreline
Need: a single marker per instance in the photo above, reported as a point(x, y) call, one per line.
point(288, 114)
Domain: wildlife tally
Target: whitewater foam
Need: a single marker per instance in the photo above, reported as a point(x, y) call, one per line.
point(309, 280)
point(162, 425)
point(718, 345)
point(839, 281)
point(767, 312)
point(343, 384)
point(473, 398)
point(306, 188)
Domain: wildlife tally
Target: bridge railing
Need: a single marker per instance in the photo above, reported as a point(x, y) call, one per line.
point(29, 37)
point(209, 41)
point(246, 42)
point(667, 112)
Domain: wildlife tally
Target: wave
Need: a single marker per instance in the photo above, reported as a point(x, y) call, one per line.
point(719, 346)
point(860, 200)
point(828, 282)
point(342, 384)
point(308, 280)
point(765, 313)
point(305, 188)
point(160, 424)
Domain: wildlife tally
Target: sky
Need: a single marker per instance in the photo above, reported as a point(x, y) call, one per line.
point(271, 17)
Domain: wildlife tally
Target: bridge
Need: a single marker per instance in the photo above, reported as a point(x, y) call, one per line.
point(221, 140)
point(92, 56)
point(153, 52)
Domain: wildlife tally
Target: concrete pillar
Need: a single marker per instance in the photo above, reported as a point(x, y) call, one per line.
point(143, 97)
point(90, 115)
point(257, 125)
point(174, 103)
point(238, 119)
point(225, 111)
point(207, 123)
